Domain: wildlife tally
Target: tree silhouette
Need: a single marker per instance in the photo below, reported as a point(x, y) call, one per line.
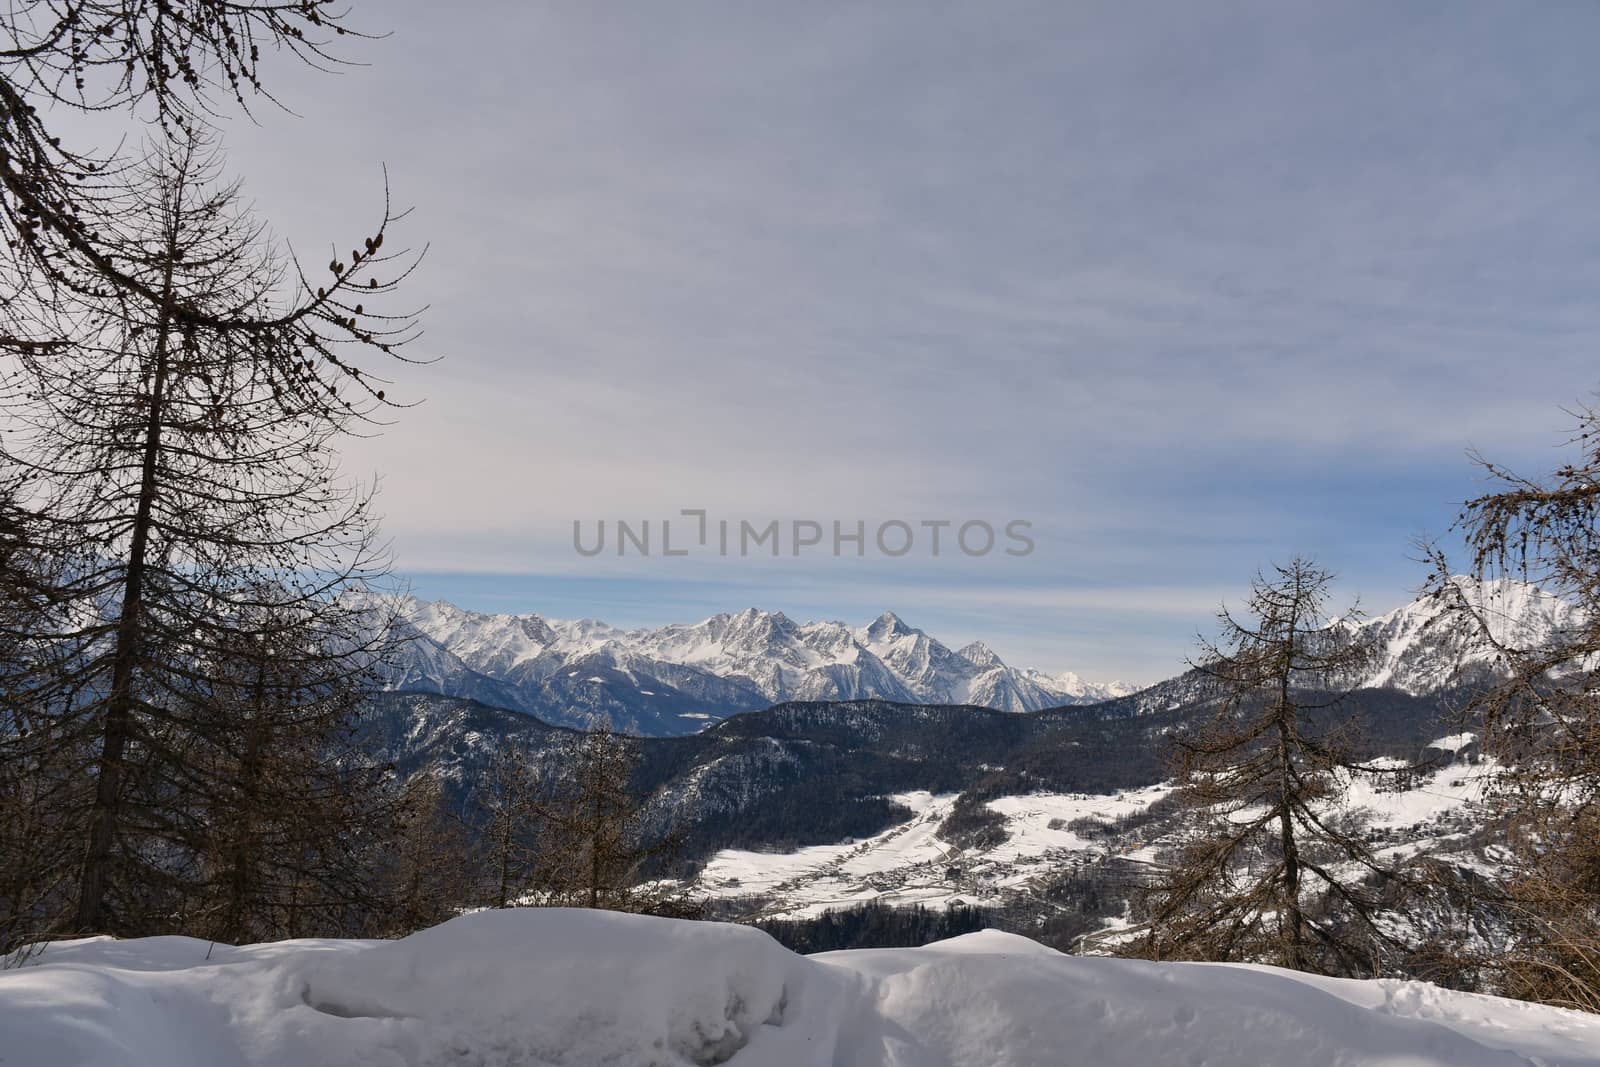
point(1271, 876)
point(187, 472)
point(1541, 717)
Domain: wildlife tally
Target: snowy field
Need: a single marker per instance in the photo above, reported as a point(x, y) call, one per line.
point(910, 863)
point(556, 988)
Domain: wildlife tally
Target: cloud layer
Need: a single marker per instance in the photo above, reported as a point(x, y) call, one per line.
point(1190, 287)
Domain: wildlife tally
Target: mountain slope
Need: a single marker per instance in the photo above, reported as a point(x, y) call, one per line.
point(1422, 650)
point(808, 806)
point(817, 772)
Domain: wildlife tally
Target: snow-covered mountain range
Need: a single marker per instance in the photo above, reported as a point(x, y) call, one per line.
point(827, 802)
point(676, 678)
point(1423, 648)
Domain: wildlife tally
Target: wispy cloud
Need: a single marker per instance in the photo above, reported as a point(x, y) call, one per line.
point(1192, 286)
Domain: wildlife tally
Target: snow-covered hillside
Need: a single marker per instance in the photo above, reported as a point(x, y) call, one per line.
point(911, 863)
point(673, 679)
point(540, 988)
point(1036, 838)
point(1419, 651)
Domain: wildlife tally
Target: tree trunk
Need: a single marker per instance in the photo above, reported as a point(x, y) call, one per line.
point(505, 860)
point(241, 848)
point(106, 813)
point(1293, 920)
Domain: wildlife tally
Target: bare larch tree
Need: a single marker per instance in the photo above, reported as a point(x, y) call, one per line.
point(1541, 718)
point(596, 847)
point(1271, 875)
point(188, 459)
point(508, 812)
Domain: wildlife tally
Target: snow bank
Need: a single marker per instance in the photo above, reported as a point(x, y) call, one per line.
point(551, 987)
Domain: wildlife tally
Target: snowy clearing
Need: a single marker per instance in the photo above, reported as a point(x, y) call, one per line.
point(1046, 834)
point(538, 988)
point(910, 864)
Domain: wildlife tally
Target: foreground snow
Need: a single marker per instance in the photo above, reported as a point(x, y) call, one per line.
point(571, 988)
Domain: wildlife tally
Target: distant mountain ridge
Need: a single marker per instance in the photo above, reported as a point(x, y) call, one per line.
point(916, 800)
point(1423, 648)
point(677, 678)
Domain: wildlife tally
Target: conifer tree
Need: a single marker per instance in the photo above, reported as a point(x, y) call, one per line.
point(185, 463)
point(596, 849)
point(1541, 717)
point(38, 848)
point(1271, 875)
point(292, 814)
point(427, 874)
point(508, 810)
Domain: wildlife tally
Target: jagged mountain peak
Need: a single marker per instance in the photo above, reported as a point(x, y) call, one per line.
point(980, 655)
point(677, 678)
point(888, 627)
point(757, 622)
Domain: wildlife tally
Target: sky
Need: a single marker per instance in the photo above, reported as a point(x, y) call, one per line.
point(1188, 288)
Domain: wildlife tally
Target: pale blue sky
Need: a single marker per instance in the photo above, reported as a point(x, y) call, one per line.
point(1192, 287)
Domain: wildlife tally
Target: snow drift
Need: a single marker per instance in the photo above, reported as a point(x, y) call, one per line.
point(530, 988)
